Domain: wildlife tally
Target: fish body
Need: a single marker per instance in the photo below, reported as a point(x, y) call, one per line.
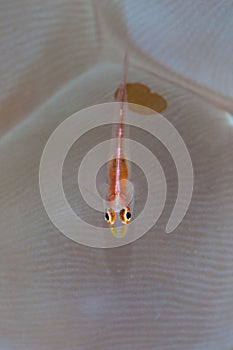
point(118, 212)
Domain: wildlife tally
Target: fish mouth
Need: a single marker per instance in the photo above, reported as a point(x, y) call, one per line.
point(118, 232)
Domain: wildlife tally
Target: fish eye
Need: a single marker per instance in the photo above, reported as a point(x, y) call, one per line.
point(128, 215)
point(125, 215)
point(110, 216)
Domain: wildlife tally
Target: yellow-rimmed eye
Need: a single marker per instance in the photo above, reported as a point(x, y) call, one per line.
point(110, 216)
point(125, 215)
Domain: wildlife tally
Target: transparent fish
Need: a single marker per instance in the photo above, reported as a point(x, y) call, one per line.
point(119, 201)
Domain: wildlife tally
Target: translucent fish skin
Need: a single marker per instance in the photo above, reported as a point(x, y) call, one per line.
point(123, 175)
point(118, 172)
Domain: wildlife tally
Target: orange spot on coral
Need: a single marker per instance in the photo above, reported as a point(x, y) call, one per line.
point(141, 94)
